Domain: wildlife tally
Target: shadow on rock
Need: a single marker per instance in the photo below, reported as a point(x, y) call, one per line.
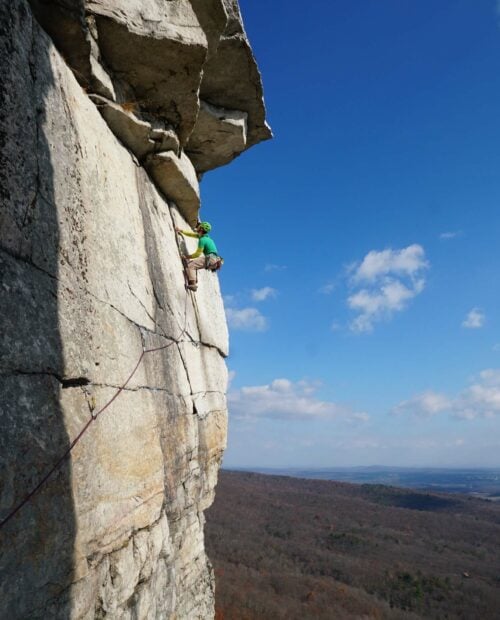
point(36, 544)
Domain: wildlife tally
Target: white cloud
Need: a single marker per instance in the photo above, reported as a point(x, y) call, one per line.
point(285, 400)
point(479, 400)
point(389, 280)
point(482, 398)
point(392, 295)
point(426, 404)
point(273, 267)
point(386, 282)
point(261, 294)
point(246, 319)
point(406, 262)
point(474, 319)
point(452, 234)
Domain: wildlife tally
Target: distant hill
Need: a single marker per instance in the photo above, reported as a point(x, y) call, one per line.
point(289, 548)
point(484, 483)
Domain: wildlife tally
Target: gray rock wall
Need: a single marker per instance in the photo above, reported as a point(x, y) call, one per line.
point(90, 278)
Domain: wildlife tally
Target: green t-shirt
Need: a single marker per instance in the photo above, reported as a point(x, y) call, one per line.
point(207, 245)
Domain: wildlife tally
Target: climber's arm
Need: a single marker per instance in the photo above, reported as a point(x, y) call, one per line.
point(198, 252)
point(187, 233)
point(201, 243)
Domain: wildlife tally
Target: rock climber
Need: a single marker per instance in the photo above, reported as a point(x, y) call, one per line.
point(205, 257)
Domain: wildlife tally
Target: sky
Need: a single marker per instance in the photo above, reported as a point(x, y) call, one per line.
point(361, 244)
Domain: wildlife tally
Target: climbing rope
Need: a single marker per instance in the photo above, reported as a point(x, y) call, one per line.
point(93, 418)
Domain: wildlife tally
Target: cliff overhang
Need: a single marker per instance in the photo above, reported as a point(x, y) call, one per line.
point(176, 81)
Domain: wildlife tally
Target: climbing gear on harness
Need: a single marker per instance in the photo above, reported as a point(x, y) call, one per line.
point(215, 265)
point(205, 226)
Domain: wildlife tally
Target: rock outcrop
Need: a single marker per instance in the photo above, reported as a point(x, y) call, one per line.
point(110, 111)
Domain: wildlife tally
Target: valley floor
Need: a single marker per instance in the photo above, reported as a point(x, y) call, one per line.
point(289, 548)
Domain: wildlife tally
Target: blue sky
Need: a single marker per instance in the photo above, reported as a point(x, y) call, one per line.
point(361, 280)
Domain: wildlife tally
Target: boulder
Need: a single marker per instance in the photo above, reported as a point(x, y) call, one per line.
point(232, 80)
point(137, 135)
point(156, 59)
point(212, 17)
point(158, 50)
point(234, 24)
point(218, 137)
point(72, 29)
point(176, 178)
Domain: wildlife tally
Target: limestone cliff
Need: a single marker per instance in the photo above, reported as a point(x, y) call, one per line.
point(110, 112)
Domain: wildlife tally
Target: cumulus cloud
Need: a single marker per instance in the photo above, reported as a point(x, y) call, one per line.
point(246, 319)
point(286, 400)
point(406, 262)
point(425, 405)
point(384, 283)
point(261, 294)
point(481, 399)
point(241, 315)
point(474, 319)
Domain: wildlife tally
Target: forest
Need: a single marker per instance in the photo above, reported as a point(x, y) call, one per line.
point(289, 548)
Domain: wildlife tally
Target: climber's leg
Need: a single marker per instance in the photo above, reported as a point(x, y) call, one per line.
point(192, 266)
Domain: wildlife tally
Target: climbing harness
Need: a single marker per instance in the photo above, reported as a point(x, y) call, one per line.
point(209, 265)
point(216, 265)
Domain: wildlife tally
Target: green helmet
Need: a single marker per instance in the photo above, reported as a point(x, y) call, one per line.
point(205, 226)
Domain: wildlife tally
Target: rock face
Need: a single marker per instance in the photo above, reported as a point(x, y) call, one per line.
point(96, 110)
point(219, 135)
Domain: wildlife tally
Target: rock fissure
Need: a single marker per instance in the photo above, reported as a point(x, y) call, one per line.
point(143, 306)
point(96, 558)
point(73, 382)
point(139, 326)
point(185, 369)
point(210, 345)
point(35, 373)
point(158, 302)
point(27, 261)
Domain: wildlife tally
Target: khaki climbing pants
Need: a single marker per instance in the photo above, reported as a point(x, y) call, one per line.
point(193, 264)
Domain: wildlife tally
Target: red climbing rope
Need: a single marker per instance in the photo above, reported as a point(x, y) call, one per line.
point(94, 417)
